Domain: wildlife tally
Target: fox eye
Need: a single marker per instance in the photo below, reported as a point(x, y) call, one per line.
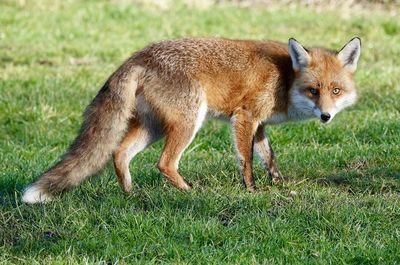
point(313, 91)
point(336, 91)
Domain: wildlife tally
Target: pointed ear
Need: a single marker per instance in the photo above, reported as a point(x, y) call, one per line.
point(350, 53)
point(298, 54)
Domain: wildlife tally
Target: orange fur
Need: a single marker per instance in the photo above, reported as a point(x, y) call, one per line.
point(168, 88)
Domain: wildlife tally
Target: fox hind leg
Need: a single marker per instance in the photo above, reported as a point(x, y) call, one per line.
point(138, 138)
point(178, 136)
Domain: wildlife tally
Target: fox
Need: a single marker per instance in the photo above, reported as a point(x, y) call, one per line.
point(169, 88)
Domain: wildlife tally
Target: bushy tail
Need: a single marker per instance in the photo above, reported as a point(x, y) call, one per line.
point(105, 122)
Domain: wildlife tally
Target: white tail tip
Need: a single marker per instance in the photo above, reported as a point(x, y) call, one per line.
point(32, 194)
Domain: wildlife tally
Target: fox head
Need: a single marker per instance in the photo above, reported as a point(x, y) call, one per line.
point(324, 80)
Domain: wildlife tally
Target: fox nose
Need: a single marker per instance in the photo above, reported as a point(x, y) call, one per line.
point(325, 116)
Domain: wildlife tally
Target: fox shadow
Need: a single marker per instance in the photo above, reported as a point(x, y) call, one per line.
point(355, 181)
point(147, 199)
point(352, 179)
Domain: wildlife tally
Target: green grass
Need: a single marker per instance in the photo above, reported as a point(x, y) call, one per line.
point(55, 55)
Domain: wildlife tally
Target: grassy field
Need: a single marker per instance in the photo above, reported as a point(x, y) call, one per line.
point(55, 55)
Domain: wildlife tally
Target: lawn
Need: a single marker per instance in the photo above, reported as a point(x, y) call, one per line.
point(343, 205)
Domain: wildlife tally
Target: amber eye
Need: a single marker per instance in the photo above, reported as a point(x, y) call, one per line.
point(336, 91)
point(313, 91)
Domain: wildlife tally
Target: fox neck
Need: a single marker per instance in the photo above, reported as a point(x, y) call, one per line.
point(299, 111)
point(290, 112)
point(294, 114)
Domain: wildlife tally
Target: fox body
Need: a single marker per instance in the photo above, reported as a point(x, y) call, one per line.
point(168, 88)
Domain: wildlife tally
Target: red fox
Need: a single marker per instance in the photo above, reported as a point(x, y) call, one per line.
point(168, 88)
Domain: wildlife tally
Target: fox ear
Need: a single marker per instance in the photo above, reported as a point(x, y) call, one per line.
point(298, 54)
point(349, 54)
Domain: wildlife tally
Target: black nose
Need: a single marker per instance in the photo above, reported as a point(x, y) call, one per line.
point(325, 116)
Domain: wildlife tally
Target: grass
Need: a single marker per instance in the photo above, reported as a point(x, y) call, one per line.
point(54, 56)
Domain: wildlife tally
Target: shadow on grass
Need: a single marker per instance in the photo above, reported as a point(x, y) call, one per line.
point(10, 189)
point(367, 181)
point(36, 231)
point(354, 179)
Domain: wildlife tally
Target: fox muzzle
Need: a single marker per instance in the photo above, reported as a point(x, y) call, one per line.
point(324, 117)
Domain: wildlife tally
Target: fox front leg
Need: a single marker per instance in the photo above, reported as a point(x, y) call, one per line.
point(264, 150)
point(244, 128)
